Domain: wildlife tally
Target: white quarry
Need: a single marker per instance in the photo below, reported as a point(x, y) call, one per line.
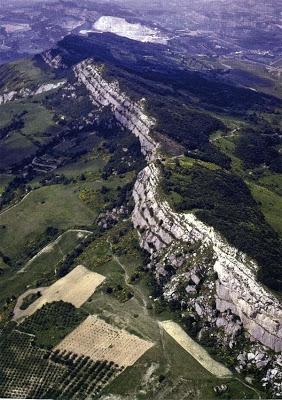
point(134, 31)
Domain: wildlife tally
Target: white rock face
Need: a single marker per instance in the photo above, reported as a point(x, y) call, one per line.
point(237, 288)
point(7, 97)
point(129, 114)
point(49, 86)
point(26, 92)
point(159, 226)
point(121, 27)
point(53, 62)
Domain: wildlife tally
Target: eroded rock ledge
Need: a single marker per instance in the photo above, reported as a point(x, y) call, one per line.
point(129, 114)
point(7, 97)
point(236, 288)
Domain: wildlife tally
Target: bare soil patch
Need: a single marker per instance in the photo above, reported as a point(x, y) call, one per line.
point(194, 349)
point(75, 288)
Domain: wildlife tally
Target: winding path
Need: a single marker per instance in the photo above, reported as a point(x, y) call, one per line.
point(50, 246)
point(17, 204)
point(135, 289)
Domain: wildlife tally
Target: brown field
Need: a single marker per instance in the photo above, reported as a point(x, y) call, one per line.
point(193, 348)
point(75, 288)
point(100, 341)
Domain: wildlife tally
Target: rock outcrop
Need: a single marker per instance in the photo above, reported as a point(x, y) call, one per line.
point(7, 97)
point(52, 61)
point(129, 114)
point(236, 289)
point(13, 95)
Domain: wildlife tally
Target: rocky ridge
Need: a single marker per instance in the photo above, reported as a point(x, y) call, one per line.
point(53, 62)
point(236, 287)
point(232, 298)
point(129, 114)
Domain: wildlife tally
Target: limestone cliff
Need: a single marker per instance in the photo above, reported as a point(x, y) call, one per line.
point(233, 286)
point(129, 114)
point(237, 288)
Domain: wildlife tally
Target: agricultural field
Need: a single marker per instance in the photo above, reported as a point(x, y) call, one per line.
point(101, 341)
point(41, 269)
point(30, 372)
point(193, 348)
point(75, 288)
point(58, 206)
point(24, 368)
point(51, 323)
